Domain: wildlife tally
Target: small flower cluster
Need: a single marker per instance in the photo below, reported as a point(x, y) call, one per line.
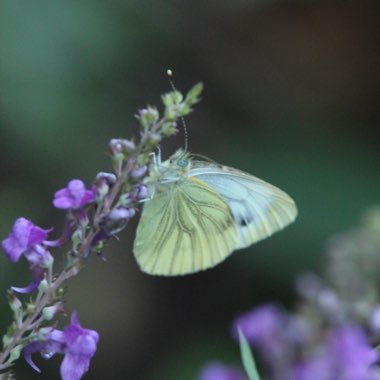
point(92, 217)
point(333, 332)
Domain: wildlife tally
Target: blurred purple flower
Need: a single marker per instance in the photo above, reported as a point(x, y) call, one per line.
point(220, 371)
point(263, 328)
point(313, 369)
point(76, 343)
point(74, 196)
point(26, 239)
point(349, 347)
point(344, 355)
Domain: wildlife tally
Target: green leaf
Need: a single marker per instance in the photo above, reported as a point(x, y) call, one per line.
point(247, 358)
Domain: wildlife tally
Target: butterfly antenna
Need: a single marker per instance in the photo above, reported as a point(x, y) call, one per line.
point(170, 75)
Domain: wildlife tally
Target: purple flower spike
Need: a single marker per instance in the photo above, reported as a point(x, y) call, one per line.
point(25, 239)
point(219, 371)
point(74, 196)
point(76, 343)
point(80, 348)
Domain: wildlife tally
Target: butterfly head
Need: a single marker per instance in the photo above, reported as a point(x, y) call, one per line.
point(179, 161)
point(169, 172)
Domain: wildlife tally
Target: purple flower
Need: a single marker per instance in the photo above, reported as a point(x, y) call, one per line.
point(219, 371)
point(345, 354)
point(27, 239)
point(76, 343)
point(263, 327)
point(351, 352)
point(74, 196)
point(313, 369)
point(80, 348)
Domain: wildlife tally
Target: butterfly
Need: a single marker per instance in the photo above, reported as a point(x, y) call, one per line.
point(199, 212)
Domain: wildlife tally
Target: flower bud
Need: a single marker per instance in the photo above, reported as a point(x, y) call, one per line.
point(15, 353)
point(108, 178)
point(139, 172)
point(140, 192)
point(116, 220)
point(122, 146)
point(121, 213)
point(148, 116)
point(103, 183)
point(170, 114)
point(154, 138)
point(30, 308)
point(14, 303)
point(125, 200)
point(43, 286)
point(50, 312)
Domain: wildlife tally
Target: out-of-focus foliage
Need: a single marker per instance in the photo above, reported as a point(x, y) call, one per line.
point(291, 95)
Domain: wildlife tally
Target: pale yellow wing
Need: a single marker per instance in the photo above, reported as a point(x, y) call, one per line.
point(259, 208)
point(184, 230)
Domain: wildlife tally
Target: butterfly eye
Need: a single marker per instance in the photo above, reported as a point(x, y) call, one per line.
point(182, 163)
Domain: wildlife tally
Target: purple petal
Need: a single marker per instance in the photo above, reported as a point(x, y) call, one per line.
point(39, 256)
point(37, 235)
point(17, 241)
point(80, 348)
point(62, 199)
point(12, 248)
point(74, 196)
point(38, 275)
point(28, 351)
point(73, 367)
point(25, 235)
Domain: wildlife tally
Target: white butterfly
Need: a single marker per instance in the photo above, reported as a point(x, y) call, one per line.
point(199, 212)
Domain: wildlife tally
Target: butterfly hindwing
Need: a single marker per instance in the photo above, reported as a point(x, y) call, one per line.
point(259, 208)
point(185, 229)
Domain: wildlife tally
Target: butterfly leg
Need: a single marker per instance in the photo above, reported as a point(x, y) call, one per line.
point(155, 157)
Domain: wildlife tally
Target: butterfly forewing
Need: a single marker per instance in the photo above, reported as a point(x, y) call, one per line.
point(259, 208)
point(185, 229)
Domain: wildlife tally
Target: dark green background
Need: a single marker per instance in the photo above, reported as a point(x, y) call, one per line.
point(291, 96)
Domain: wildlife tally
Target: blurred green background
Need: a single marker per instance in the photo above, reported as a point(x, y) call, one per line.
point(291, 96)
